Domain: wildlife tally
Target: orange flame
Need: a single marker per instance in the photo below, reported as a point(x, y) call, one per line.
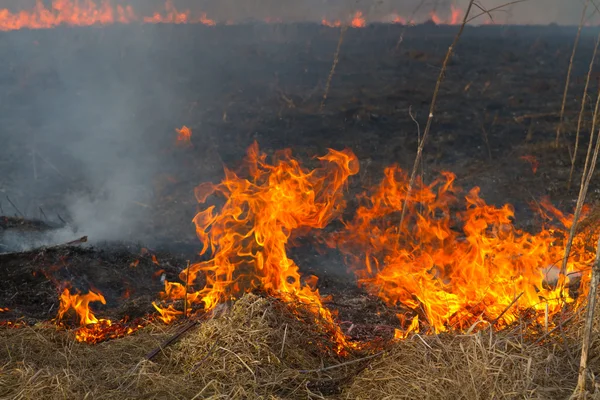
point(87, 13)
point(80, 304)
point(248, 235)
point(167, 315)
point(358, 21)
point(184, 136)
point(92, 329)
point(331, 24)
point(532, 161)
point(454, 268)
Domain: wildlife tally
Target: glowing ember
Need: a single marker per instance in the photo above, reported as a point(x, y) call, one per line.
point(184, 136)
point(454, 268)
point(532, 161)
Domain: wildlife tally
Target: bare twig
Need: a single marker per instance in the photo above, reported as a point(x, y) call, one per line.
point(432, 110)
point(336, 58)
point(486, 140)
point(15, 207)
point(60, 218)
point(187, 283)
point(171, 339)
point(589, 324)
point(415, 11)
point(588, 171)
point(582, 111)
point(505, 310)
point(308, 371)
point(81, 240)
point(568, 79)
point(283, 341)
point(43, 213)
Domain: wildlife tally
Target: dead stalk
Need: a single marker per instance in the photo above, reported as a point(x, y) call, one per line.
point(568, 79)
point(336, 58)
point(432, 110)
point(580, 390)
point(582, 111)
point(415, 11)
point(586, 176)
point(187, 283)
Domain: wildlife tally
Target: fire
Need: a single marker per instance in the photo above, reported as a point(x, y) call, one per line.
point(167, 315)
point(105, 12)
point(454, 268)
point(358, 21)
point(80, 304)
point(456, 15)
point(247, 236)
point(88, 13)
point(532, 161)
point(172, 15)
point(184, 136)
point(92, 329)
point(331, 24)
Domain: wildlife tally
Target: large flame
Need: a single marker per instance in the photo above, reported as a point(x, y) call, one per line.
point(455, 262)
point(247, 235)
point(450, 259)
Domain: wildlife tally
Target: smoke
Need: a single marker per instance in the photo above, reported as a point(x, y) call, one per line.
point(78, 105)
point(76, 118)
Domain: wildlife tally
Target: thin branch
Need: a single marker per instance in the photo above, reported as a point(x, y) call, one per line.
point(582, 111)
point(15, 207)
point(567, 81)
point(308, 371)
point(431, 112)
point(336, 58)
point(580, 390)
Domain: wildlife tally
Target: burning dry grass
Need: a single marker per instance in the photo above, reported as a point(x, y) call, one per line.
point(257, 349)
point(262, 349)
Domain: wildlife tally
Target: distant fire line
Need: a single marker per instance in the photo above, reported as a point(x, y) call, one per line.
point(90, 13)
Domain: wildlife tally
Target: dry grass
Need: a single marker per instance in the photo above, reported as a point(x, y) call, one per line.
point(261, 349)
point(258, 349)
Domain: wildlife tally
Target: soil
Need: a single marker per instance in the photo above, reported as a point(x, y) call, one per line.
point(232, 85)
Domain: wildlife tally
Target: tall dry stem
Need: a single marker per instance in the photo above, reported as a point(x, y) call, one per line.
point(586, 176)
point(336, 58)
point(432, 110)
point(582, 111)
point(580, 390)
point(568, 79)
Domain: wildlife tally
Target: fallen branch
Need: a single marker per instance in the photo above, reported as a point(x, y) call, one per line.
point(170, 340)
point(81, 240)
point(505, 310)
point(308, 371)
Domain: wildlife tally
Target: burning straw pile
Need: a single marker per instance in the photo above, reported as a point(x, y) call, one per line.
point(485, 339)
point(262, 348)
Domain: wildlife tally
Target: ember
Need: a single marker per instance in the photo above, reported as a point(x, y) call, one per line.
point(184, 136)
